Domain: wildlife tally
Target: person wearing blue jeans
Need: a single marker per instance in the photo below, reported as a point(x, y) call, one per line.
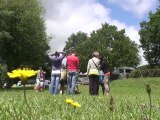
point(71, 82)
point(73, 69)
point(56, 60)
point(54, 83)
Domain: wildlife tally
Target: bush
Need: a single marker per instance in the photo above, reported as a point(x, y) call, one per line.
point(114, 76)
point(145, 73)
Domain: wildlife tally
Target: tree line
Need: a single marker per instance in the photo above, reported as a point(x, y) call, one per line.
point(118, 49)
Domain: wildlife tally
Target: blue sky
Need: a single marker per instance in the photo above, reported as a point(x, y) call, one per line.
point(122, 15)
point(64, 17)
point(127, 16)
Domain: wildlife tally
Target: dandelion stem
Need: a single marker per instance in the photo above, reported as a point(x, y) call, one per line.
point(111, 106)
point(25, 99)
point(150, 102)
point(148, 89)
point(24, 92)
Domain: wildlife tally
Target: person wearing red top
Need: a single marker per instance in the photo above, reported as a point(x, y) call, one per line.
point(73, 69)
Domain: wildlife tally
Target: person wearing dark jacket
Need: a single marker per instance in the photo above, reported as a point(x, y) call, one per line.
point(56, 61)
point(105, 78)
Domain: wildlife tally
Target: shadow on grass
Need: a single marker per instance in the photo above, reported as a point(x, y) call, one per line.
point(31, 87)
point(28, 88)
point(19, 88)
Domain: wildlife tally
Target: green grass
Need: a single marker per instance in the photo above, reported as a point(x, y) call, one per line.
point(130, 102)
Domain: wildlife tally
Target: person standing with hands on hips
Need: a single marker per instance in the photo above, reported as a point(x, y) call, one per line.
point(56, 61)
point(73, 69)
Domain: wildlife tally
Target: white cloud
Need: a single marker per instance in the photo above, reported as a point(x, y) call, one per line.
point(138, 7)
point(133, 34)
point(72, 16)
point(64, 17)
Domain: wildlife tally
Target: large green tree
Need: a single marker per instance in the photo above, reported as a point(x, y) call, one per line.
point(23, 40)
point(3, 75)
point(117, 48)
point(74, 40)
point(150, 38)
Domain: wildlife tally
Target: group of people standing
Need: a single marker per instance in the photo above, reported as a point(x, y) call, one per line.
point(98, 73)
point(65, 70)
point(63, 66)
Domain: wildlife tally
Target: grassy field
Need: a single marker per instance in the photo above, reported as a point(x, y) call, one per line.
point(130, 102)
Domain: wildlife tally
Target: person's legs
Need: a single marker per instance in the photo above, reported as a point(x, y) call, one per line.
point(77, 88)
point(61, 86)
point(95, 84)
point(91, 85)
point(103, 88)
point(37, 82)
point(63, 80)
point(60, 89)
point(106, 85)
point(101, 83)
point(73, 84)
point(56, 84)
point(69, 79)
point(37, 85)
point(41, 85)
point(52, 85)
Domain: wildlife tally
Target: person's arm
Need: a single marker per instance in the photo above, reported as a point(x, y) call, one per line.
point(63, 53)
point(99, 65)
point(51, 56)
point(55, 58)
point(78, 62)
point(88, 67)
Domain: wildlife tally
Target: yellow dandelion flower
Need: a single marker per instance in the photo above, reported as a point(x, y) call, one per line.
point(76, 104)
point(22, 74)
point(69, 101)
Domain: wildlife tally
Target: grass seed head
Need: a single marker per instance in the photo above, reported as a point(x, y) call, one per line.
point(148, 88)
